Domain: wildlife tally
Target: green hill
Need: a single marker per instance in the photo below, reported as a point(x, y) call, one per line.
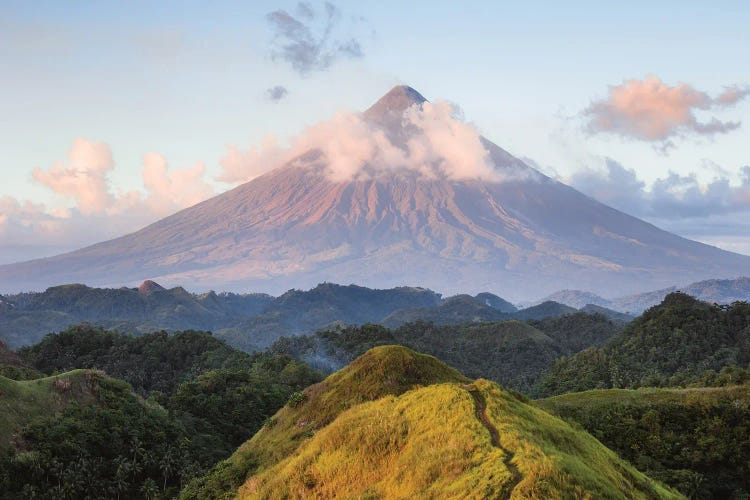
point(21, 401)
point(145, 309)
point(696, 440)
point(220, 394)
point(395, 423)
point(679, 342)
point(453, 310)
point(84, 435)
point(513, 353)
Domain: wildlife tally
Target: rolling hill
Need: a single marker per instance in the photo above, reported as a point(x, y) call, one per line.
point(680, 341)
point(695, 439)
point(395, 423)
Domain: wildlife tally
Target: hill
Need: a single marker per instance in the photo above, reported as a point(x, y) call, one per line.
point(304, 311)
point(467, 309)
point(576, 299)
point(221, 395)
point(610, 313)
point(397, 423)
point(81, 434)
point(492, 300)
point(674, 343)
point(135, 310)
point(405, 210)
point(714, 291)
point(697, 440)
point(247, 321)
point(453, 310)
point(511, 352)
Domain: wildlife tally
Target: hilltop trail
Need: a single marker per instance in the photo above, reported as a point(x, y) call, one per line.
point(480, 411)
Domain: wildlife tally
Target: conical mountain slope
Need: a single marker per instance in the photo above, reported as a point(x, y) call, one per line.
point(398, 424)
point(511, 230)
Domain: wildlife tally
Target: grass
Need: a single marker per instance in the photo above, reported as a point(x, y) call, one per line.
point(21, 401)
point(381, 371)
point(398, 424)
point(645, 396)
point(431, 443)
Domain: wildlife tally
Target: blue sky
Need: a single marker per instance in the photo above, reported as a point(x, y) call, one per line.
point(187, 79)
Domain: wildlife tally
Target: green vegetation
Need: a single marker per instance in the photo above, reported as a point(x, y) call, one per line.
point(513, 353)
point(380, 372)
point(397, 424)
point(220, 394)
point(215, 396)
point(680, 342)
point(84, 435)
point(153, 362)
point(28, 316)
point(12, 367)
point(696, 440)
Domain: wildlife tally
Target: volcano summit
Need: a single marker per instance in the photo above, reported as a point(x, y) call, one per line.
point(402, 194)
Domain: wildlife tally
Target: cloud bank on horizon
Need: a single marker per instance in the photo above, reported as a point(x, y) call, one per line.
point(651, 110)
point(672, 197)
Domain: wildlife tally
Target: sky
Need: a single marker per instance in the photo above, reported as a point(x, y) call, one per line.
point(115, 114)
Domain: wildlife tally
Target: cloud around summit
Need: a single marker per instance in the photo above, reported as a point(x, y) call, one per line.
point(352, 147)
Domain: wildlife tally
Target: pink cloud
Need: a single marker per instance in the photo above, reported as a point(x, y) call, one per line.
point(242, 166)
point(83, 178)
point(98, 213)
point(651, 110)
point(351, 147)
point(170, 191)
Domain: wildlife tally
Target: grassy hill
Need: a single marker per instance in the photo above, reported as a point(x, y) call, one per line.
point(22, 400)
point(220, 394)
point(679, 342)
point(84, 435)
point(395, 423)
point(696, 440)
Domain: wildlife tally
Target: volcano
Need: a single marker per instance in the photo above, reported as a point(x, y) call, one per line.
point(514, 231)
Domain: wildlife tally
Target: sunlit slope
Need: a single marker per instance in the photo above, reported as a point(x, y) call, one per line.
point(380, 372)
point(398, 424)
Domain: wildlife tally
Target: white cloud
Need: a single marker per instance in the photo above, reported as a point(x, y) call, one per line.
point(433, 142)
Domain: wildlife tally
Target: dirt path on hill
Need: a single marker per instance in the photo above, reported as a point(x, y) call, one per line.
point(480, 411)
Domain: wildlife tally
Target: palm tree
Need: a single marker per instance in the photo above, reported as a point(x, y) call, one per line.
point(149, 488)
point(166, 465)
